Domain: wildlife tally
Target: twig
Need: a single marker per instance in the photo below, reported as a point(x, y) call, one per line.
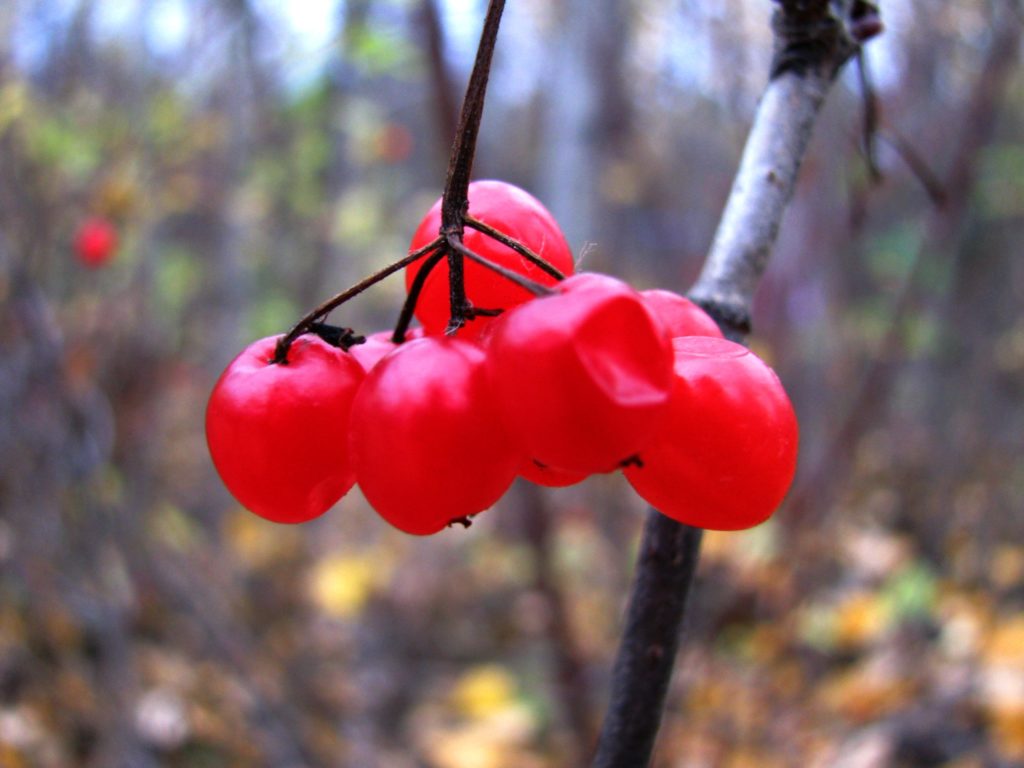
point(413, 295)
point(869, 118)
point(454, 210)
point(521, 280)
point(811, 46)
point(515, 245)
point(281, 351)
point(871, 133)
point(455, 200)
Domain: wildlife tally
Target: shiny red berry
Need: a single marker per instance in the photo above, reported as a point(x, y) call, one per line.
point(426, 439)
point(582, 377)
point(725, 453)
point(680, 315)
point(277, 433)
point(377, 345)
point(515, 213)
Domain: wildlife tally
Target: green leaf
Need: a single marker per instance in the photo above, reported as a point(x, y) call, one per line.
point(911, 593)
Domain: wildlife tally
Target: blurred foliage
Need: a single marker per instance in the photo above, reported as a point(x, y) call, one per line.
point(255, 163)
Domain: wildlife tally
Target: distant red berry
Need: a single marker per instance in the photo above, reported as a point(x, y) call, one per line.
point(277, 433)
point(725, 452)
point(515, 213)
point(95, 242)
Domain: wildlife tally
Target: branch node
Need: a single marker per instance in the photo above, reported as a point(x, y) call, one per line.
point(733, 316)
point(632, 461)
point(810, 37)
point(337, 336)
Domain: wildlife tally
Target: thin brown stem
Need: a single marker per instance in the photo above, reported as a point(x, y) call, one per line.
point(460, 164)
point(515, 245)
point(413, 295)
point(480, 312)
point(455, 200)
point(458, 303)
point(869, 117)
point(537, 289)
point(281, 351)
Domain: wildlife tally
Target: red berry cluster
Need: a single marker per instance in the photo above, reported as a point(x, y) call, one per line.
point(591, 377)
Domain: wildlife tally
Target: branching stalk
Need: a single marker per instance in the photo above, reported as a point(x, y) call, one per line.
point(455, 200)
point(453, 207)
point(281, 351)
point(522, 281)
point(515, 245)
point(413, 295)
point(460, 164)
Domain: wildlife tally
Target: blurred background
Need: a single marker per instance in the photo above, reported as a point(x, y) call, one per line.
point(253, 158)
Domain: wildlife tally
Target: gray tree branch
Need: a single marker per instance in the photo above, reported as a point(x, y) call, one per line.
point(813, 38)
point(760, 192)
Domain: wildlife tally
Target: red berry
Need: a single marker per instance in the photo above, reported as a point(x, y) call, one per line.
point(95, 242)
point(582, 377)
point(725, 454)
point(377, 345)
point(427, 443)
point(515, 213)
point(278, 432)
point(680, 315)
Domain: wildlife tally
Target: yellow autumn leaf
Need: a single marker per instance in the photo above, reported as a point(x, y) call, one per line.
point(1007, 728)
point(860, 619)
point(709, 696)
point(750, 551)
point(1005, 645)
point(1007, 566)
point(751, 758)
point(717, 545)
point(484, 690)
point(461, 749)
point(866, 692)
point(498, 740)
point(256, 542)
point(340, 584)
point(1002, 685)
